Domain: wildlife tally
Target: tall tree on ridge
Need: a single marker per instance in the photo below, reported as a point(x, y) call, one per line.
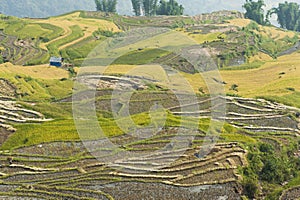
point(288, 15)
point(106, 5)
point(151, 7)
point(137, 7)
point(254, 11)
point(170, 7)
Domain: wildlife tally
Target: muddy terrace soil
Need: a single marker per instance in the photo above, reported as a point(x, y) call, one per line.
point(30, 173)
point(67, 170)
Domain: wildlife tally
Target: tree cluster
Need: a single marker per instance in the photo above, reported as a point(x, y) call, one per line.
point(265, 164)
point(288, 14)
point(106, 5)
point(255, 11)
point(169, 8)
point(152, 7)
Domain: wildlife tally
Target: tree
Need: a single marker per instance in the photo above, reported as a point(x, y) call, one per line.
point(170, 8)
point(144, 7)
point(288, 15)
point(254, 11)
point(250, 188)
point(137, 7)
point(273, 169)
point(151, 7)
point(106, 5)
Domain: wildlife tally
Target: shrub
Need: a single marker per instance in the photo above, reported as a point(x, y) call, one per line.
point(1, 59)
point(27, 78)
point(250, 188)
point(234, 87)
point(291, 89)
point(105, 33)
point(266, 148)
point(44, 39)
point(201, 90)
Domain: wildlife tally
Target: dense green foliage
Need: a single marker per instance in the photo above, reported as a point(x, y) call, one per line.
point(144, 7)
point(106, 5)
point(266, 164)
point(264, 43)
point(254, 10)
point(151, 7)
point(136, 5)
point(170, 7)
point(288, 15)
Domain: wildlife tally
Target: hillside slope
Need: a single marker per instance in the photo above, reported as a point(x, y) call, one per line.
point(50, 148)
point(45, 8)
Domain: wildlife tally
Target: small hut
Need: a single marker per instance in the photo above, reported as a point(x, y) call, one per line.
point(56, 61)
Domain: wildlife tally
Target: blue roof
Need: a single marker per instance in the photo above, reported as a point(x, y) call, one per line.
point(56, 59)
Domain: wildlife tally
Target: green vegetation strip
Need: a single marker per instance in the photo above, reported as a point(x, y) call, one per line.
point(55, 31)
point(54, 46)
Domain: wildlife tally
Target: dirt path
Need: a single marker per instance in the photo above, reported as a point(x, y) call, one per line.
point(291, 50)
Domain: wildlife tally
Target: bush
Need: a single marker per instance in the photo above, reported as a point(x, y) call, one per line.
point(250, 188)
point(234, 87)
point(266, 148)
point(273, 170)
point(44, 39)
point(72, 71)
point(27, 78)
point(291, 89)
point(105, 33)
point(1, 59)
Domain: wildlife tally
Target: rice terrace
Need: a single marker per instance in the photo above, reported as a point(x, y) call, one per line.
point(160, 105)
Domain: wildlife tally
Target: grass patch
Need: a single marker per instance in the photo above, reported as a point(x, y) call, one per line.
point(203, 38)
point(31, 88)
point(81, 49)
point(54, 46)
point(55, 30)
point(140, 57)
point(245, 66)
point(62, 130)
point(51, 110)
point(32, 134)
point(24, 30)
point(236, 137)
point(294, 182)
point(289, 99)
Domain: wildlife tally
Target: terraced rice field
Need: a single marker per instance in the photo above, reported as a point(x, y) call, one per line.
point(13, 113)
point(87, 26)
point(33, 41)
point(20, 52)
point(43, 155)
point(70, 170)
point(48, 171)
point(67, 170)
